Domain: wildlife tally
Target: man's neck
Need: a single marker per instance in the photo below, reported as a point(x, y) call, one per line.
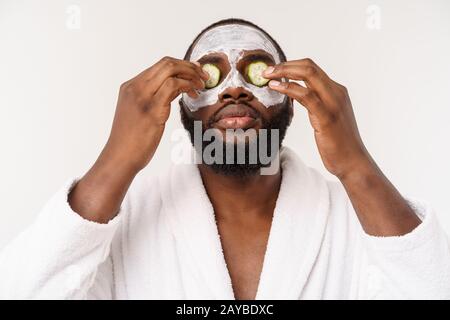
point(241, 198)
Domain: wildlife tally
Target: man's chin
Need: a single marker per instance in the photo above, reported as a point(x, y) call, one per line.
point(240, 157)
point(236, 170)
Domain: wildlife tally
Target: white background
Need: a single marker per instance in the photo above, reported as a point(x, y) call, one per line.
point(58, 85)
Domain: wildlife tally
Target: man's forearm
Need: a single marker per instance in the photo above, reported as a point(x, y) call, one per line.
point(381, 209)
point(99, 194)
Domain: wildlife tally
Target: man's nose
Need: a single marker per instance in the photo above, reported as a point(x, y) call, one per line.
point(235, 94)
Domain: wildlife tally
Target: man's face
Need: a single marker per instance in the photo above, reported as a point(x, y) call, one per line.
point(235, 103)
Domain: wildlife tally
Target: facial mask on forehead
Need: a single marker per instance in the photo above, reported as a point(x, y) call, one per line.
point(233, 40)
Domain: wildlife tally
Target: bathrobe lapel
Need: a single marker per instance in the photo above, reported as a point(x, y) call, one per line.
point(298, 227)
point(191, 217)
point(294, 241)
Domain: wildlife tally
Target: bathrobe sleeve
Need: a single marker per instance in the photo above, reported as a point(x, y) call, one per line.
point(60, 256)
point(412, 266)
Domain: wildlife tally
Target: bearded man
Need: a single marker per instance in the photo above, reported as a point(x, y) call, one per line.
point(226, 228)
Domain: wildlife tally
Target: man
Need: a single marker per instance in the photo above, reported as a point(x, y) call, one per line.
point(224, 230)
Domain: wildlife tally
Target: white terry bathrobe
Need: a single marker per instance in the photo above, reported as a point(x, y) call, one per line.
point(164, 244)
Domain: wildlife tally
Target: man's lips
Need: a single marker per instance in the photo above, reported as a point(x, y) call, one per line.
point(236, 116)
point(235, 122)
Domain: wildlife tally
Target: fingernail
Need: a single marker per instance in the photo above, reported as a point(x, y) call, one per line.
point(197, 63)
point(269, 70)
point(274, 83)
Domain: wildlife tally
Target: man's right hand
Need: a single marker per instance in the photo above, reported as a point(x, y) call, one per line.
point(142, 111)
point(144, 107)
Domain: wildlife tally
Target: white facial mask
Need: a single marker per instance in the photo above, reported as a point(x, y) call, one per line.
point(233, 40)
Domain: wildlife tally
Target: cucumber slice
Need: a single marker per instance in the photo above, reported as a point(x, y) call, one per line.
point(214, 75)
point(254, 73)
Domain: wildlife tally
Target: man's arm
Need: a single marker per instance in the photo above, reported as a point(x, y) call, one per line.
point(142, 111)
point(381, 209)
point(68, 245)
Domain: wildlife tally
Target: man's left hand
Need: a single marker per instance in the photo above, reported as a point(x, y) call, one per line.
point(330, 113)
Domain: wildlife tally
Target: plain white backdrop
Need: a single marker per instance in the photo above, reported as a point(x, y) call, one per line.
point(61, 64)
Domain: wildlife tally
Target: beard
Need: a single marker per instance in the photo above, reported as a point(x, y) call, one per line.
point(242, 158)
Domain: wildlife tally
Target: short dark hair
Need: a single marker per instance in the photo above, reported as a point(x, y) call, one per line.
point(235, 21)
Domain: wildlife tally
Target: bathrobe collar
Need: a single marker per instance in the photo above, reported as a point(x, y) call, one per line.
point(295, 238)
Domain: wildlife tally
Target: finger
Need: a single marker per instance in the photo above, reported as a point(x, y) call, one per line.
point(305, 70)
point(178, 71)
point(167, 61)
point(198, 83)
point(197, 67)
point(305, 96)
point(149, 90)
point(170, 89)
point(304, 63)
point(171, 67)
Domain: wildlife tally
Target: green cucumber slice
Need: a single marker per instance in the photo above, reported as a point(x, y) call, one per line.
point(214, 75)
point(254, 73)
